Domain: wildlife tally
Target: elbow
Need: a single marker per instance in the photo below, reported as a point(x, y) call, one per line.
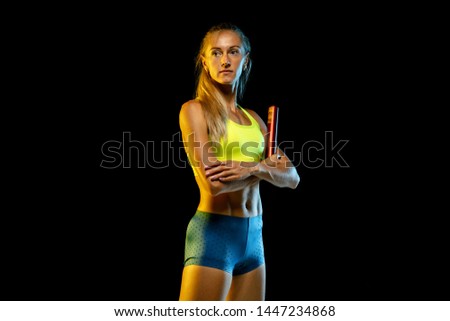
point(294, 181)
point(215, 188)
point(214, 192)
point(210, 187)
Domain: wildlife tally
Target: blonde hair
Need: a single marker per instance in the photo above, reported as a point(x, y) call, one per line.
point(206, 91)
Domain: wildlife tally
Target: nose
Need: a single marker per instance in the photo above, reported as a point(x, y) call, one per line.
point(226, 63)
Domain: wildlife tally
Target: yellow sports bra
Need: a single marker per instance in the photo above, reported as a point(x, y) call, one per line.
point(244, 143)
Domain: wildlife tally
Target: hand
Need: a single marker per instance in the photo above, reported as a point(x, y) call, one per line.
point(229, 171)
point(275, 159)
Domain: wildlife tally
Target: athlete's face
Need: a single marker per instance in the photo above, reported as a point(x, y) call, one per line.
point(224, 57)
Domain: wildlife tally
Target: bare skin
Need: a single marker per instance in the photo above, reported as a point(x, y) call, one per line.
point(201, 283)
point(230, 187)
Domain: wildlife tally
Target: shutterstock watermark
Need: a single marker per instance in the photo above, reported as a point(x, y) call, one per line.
point(131, 153)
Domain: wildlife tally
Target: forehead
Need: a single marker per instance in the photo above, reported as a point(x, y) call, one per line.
point(224, 39)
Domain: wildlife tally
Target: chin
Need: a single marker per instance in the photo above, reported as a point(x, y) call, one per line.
point(226, 81)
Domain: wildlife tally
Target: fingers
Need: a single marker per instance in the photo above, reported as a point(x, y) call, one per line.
point(219, 172)
point(217, 176)
point(217, 167)
point(276, 157)
point(212, 170)
point(207, 167)
point(227, 170)
point(224, 178)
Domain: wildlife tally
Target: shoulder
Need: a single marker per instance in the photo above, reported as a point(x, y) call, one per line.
point(191, 109)
point(191, 106)
point(191, 116)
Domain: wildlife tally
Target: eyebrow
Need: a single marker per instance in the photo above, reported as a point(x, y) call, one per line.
point(232, 47)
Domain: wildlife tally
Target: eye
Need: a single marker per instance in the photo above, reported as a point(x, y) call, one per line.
point(216, 53)
point(234, 52)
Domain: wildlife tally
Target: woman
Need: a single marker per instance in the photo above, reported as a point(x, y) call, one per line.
point(225, 144)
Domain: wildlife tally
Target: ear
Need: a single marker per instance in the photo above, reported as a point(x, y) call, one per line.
point(204, 64)
point(246, 62)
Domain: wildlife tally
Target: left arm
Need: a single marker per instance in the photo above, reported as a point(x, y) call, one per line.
point(278, 171)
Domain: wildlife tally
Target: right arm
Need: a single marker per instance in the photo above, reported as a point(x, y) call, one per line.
point(197, 146)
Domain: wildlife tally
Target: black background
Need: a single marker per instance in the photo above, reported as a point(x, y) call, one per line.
point(83, 232)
